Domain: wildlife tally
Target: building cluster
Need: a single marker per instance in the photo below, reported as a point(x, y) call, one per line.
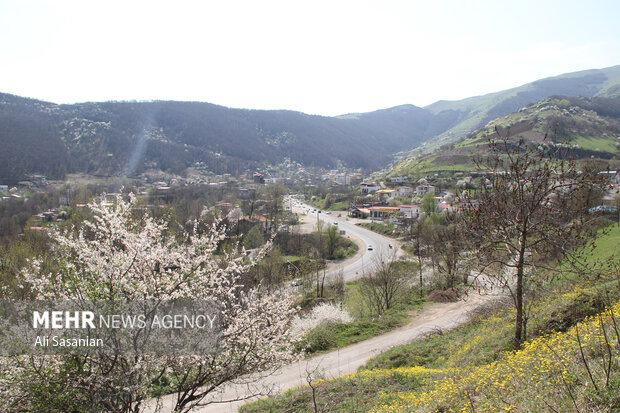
point(382, 199)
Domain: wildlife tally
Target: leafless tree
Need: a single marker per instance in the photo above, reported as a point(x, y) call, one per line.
point(533, 213)
point(383, 285)
point(448, 247)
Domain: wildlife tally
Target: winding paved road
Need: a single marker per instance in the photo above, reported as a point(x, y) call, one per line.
point(366, 259)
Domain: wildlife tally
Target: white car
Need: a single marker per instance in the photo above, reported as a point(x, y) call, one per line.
point(370, 247)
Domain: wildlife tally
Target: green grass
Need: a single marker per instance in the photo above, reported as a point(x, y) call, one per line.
point(364, 326)
point(608, 245)
point(471, 142)
point(432, 164)
point(379, 228)
point(601, 144)
point(339, 206)
point(596, 256)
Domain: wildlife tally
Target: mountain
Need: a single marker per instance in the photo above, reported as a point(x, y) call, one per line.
point(474, 112)
point(590, 125)
point(126, 138)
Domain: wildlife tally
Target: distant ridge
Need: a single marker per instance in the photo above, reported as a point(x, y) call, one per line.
point(126, 138)
point(476, 111)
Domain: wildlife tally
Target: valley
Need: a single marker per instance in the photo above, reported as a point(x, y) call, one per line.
point(405, 259)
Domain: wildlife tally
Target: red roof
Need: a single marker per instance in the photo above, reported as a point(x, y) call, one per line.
point(384, 208)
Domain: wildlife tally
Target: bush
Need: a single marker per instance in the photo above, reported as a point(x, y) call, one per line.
point(324, 313)
point(319, 339)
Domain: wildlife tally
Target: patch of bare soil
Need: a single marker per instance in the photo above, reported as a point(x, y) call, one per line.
point(450, 295)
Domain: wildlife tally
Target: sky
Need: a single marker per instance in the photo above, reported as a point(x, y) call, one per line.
point(319, 57)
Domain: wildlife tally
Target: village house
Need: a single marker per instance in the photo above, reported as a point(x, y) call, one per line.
point(614, 176)
point(369, 188)
point(404, 191)
point(258, 178)
point(38, 180)
point(398, 179)
point(342, 179)
point(383, 212)
point(423, 189)
point(386, 194)
point(225, 206)
point(355, 212)
point(444, 207)
point(409, 211)
point(272, 180)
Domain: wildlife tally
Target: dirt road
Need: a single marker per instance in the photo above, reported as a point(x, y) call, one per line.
point(347, 360)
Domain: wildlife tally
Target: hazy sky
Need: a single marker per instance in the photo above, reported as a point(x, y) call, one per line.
point(319, 57)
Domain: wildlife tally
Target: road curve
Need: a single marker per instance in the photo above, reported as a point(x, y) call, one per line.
point(366, 261)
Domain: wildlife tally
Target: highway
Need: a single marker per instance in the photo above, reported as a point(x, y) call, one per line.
point(368, 259)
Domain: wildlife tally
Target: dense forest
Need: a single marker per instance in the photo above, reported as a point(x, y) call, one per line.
point(125, 138)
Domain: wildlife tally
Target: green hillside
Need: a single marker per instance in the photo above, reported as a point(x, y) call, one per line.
point(478, 110)
point(591, 125)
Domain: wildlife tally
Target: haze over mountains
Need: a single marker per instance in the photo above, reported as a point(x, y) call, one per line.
point(125, 138)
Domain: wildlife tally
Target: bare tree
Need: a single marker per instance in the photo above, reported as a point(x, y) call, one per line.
point(422, 233)
point(383, 285)
point(533, 213)
point(448, 247)
point(333, 239)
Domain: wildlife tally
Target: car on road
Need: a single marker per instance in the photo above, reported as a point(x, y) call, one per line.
point(370, 247)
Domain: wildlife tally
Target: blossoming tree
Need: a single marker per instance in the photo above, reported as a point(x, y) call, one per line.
point(123, 254)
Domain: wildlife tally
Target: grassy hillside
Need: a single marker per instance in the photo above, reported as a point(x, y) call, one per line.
point(478, 110)
point(569, 364)
point(591, 125)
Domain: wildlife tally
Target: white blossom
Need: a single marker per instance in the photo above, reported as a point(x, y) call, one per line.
point(321, 314)
point(121, 256)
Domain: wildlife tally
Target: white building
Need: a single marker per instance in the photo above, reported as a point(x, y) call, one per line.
point(342, 179)
point(423, 189)
point(409, 211)
point(398, 179)
point(369, 188)
point(404, 191)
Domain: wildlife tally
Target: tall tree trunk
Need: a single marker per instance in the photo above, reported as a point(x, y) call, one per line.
point(518, 338)
point(421, 281)
point(519, 305)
